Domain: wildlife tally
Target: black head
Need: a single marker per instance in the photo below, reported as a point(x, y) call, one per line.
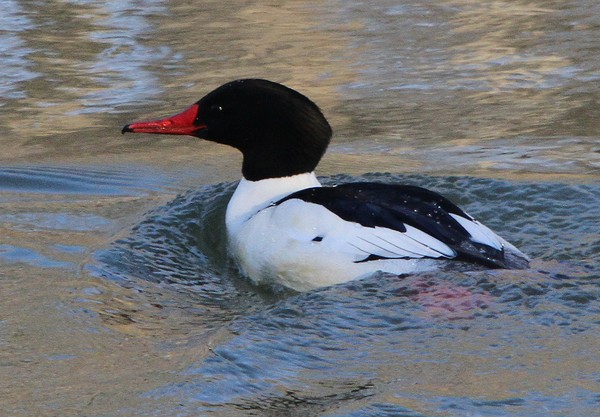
point(279, 131)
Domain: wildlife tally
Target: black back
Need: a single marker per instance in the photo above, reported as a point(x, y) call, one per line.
point(395, 206)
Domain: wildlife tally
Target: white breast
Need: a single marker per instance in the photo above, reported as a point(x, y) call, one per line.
point(252, 196)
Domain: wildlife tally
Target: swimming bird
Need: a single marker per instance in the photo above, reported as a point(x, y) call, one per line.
point(284, 228)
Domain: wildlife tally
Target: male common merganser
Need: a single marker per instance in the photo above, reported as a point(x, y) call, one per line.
point(285, 228)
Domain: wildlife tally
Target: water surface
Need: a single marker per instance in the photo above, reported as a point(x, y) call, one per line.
point(117, 295)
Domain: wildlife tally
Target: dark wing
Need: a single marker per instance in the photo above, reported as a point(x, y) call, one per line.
point(395, 206)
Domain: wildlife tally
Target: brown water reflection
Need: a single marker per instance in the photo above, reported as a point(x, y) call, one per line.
point(416, 80)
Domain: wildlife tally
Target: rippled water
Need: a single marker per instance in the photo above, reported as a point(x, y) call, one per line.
point(373, 346)
point(117, 297)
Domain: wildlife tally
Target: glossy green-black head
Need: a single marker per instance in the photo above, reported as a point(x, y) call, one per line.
point(279, 131)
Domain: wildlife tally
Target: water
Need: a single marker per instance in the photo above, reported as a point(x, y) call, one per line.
point(117, 295)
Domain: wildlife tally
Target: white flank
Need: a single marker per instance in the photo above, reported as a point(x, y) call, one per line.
point(276, 244)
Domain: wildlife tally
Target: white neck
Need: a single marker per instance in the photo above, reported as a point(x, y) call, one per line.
point(252, 196)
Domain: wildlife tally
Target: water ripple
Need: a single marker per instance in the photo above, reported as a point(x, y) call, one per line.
point(309, 353)
point(75, 180)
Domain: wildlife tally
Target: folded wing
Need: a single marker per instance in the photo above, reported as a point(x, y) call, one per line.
point(402, 221)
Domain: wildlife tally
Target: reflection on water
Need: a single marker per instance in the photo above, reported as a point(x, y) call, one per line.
point(16, 68)
point(15, 254)
point(117, 297)
point(73, 61)
point(464, 76)
point(77, 180)
point(420, 80)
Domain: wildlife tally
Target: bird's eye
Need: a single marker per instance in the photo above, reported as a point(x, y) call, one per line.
point(216, 109)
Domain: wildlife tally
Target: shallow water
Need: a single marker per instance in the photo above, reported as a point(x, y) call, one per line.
point(117, 295)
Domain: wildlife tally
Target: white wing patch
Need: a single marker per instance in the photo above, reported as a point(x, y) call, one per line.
point(479, 233)
point(388, 243)
point(307, 221)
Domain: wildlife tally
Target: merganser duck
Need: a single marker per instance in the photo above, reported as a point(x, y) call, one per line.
point(285, 228)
